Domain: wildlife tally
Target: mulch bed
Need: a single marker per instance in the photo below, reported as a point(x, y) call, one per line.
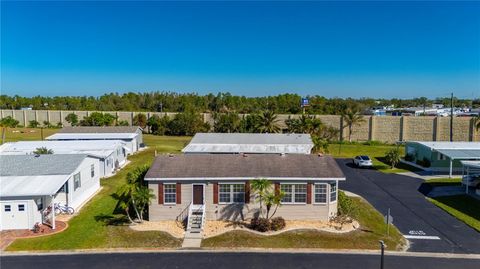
point(7, 237)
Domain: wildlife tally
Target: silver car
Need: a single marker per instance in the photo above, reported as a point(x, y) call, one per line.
point(362, 161)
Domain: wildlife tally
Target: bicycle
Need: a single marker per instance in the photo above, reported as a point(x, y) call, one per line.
point(63, 209)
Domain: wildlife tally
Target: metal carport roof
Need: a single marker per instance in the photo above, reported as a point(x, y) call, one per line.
point(461, 154)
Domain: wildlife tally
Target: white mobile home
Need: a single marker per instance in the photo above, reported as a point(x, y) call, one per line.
point(112, 154)
point(132, 136)
point(31, 184)
point(250, 143)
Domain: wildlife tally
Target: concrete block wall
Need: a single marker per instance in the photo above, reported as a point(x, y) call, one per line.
point(381, 128)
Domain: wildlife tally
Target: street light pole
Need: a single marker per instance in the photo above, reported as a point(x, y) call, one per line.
point(382, 246)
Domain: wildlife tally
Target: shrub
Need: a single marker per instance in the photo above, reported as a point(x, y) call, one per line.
point(393, 157)
point(426, 162)
point(346, 206)
point(33, 124)
point(260, 224)
point(277, 223)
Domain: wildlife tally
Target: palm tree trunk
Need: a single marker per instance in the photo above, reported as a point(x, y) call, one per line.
point(274, 211)
point(3, 134)
point(350, 133)
point(135, 208)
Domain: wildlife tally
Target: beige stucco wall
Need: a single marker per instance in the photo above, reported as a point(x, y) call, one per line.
point(381, 128)
point(235, 211)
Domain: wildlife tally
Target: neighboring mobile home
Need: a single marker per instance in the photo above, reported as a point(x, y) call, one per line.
point(219, 185)
point(441, 156)
point(250, 143)
point(112, 154)
point(30, 184)
point(132, 136)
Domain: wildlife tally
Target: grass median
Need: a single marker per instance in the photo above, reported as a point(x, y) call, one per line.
point(462, 207)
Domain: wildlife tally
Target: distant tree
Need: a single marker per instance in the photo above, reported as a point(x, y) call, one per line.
point(476, 122)
point(5, 123)
point(43, 150)
point(226, 122)
point(320, 145)
point(122, 123)
point(249, 123)
point(33, 124)
point(187, 123)
point(98, 119)
point(47, 124)
point(351, 119)
point(393, 157)
point(140, 120)
point(158, 125)
point(59, 125)
point(268, 122)
point(72, 118)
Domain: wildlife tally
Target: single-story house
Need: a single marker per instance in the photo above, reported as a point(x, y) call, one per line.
point(250, 143)
point(471, 176)
point(31, 184)
point(218, 185)
point(441, 156)
point(112, 154)
point(132, 136)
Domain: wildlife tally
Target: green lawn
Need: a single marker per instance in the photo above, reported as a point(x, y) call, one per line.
point(462, 207)
point(16, 134)
point(372, 229)
point(436, 182)
point(87, 230)
point(376, 152)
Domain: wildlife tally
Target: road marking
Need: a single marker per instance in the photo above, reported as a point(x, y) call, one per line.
point(422, 237)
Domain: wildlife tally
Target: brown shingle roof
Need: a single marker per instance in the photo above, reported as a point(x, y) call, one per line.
point(95, 129)
point(240, 166)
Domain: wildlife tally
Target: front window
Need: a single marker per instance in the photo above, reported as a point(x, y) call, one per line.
point(170, 193)
point(320, 193)
point(231, 193)
point(8, 208)
point(92, 170)
point(294, 193)
point(333, 192)
point(77, 183)
point(21, 207)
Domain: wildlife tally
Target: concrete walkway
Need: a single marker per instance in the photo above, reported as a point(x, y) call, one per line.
point(192, 240)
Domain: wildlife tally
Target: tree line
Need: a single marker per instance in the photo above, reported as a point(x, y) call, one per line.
point(220, 103)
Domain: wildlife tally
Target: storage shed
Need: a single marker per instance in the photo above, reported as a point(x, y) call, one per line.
point(31, 184)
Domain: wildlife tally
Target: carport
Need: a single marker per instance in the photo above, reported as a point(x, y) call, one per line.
point(459, 154)
point(471, 170)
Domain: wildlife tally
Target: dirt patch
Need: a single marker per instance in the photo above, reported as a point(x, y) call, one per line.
point(168, 226)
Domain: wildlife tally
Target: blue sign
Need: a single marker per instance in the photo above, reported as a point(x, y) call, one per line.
point(305, 102)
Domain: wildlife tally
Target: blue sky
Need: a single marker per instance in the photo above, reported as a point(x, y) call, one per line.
point(344, 49)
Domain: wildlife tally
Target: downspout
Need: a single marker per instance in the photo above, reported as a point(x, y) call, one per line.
point(53, 211)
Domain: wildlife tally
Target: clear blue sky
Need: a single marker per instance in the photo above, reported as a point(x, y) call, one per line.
point(373, 49)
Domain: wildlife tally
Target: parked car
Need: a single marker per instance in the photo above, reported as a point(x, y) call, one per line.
point(472, 180)
point(362, 161)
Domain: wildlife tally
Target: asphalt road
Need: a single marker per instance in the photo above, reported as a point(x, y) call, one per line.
point(230, 261)
point(411, 212)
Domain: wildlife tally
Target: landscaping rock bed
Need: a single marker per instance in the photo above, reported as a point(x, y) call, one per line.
point(168, 226)
point(214, 228)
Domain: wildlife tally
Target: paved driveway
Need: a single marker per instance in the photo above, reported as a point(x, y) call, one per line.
point(412, 213)
point(230, 261)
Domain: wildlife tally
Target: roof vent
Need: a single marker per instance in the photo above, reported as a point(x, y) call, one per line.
point(282, 154)
point(320, 154)
point(37, 155)
point(244, 154)
point(170, 155)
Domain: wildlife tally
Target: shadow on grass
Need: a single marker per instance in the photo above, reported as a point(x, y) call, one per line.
point(112, 220)
point(463, 203)
point(385, 165)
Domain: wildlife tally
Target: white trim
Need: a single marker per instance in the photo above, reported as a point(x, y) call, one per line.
point(193, 198)
point(327, 198)
point(246, 178)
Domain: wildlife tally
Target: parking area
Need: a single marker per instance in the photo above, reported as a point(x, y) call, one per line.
point(427, 227)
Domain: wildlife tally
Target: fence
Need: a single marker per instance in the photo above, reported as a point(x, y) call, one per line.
point(381, 128)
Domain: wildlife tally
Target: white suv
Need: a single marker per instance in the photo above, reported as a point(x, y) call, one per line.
point(362, 161)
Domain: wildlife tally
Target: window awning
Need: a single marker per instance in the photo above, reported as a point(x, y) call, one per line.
point(461, 154)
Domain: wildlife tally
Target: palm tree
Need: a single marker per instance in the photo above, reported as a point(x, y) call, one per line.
point(261, 187)
point(135, 194)
point(43, 150)
point(272, 199)
point(268, 122)
point(352, 118)
point(320, 145)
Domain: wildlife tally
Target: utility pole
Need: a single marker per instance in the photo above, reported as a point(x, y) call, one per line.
point(451, 118)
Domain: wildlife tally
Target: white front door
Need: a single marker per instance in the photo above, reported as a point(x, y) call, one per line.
point(14, 215)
